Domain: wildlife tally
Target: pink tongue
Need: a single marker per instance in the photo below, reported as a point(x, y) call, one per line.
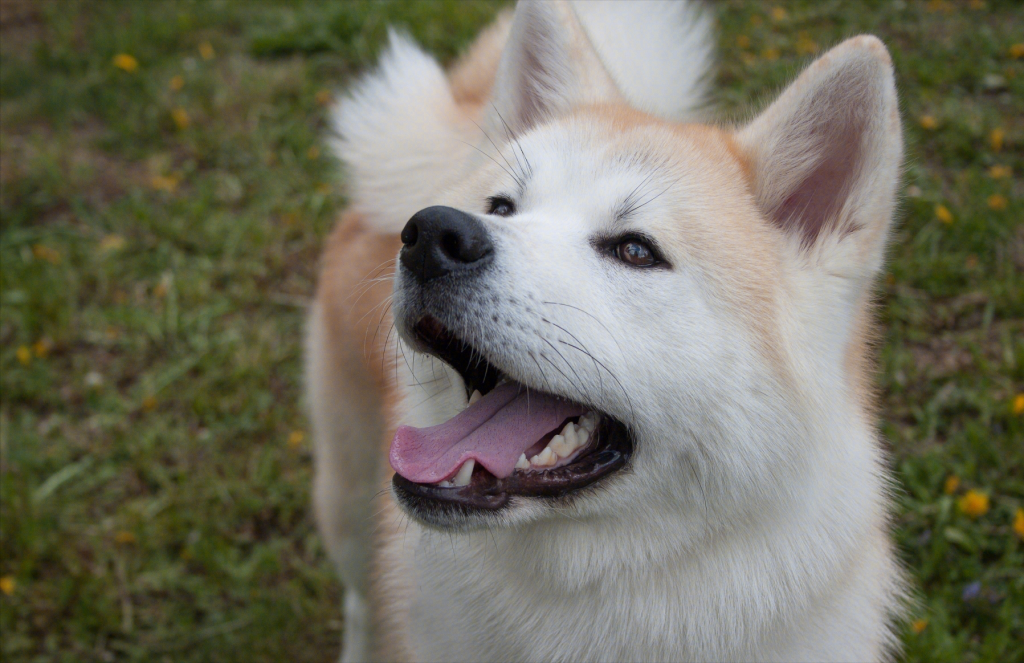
point(494, 431)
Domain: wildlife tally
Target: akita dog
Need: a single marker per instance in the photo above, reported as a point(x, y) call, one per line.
point(619, 361)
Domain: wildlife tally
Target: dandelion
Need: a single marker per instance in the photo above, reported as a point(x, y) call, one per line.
point(24, 355)
point(999, 172)
point(974, 504)
point(1017, 51)
point(148, 404)
point(1018, 523)
point(1018, 404)
point(919, 625)
point(43, 252)
point(125, 62)
point(943, 214)
point(166, 183)
point(770, 54)
point(177, 82)
point(180, 117)
point(41, 348)
point(928, 122)
point(805, 45)
point(124, 538)
point(952, 483)
point(8, 585)
point(313, 153)
point(323, 97)
point(743, 41)
point(778, 14)
point(996, 138)
point(295, 438)
point(111, 243)
point(997, 202)
point(206, 50)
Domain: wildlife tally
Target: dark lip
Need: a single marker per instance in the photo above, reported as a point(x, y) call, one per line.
point(486, 493)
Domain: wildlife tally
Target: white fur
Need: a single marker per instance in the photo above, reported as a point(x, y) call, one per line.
point(401, 137)
point(752, 521)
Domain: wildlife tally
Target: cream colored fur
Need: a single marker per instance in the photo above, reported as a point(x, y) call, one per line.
point(752, 522)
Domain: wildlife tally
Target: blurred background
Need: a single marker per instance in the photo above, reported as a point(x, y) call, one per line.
point(165, 193)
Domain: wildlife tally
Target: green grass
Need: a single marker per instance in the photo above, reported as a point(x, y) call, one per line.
point(153, 494)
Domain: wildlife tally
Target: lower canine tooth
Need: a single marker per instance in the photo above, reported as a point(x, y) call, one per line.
point(476, 395)
point(464, 473)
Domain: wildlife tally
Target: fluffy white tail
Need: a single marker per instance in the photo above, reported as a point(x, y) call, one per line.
point(402, 136)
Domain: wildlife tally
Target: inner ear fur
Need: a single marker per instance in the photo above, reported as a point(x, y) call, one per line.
point(825, 156)
point(548, 67)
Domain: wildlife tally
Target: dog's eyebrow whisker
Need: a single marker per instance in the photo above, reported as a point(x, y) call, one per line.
point(514, 141)
point(501, 154)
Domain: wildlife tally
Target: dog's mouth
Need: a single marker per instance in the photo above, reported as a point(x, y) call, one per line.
point(510, 441)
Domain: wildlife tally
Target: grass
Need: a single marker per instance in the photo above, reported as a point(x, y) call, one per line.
point(159, 231)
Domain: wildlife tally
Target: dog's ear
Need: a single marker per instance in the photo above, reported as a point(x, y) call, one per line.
point(548, 67)
point(825, 160)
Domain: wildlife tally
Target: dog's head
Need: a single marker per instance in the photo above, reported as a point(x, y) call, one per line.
point(660, 317)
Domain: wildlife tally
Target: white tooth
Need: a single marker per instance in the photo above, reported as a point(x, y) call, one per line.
point(561, 446)
point(474, 397)
point(544, 458)
point(589, 421)
point(462, 478)
point(444, 484)
point(570, 435)
point(522, 463)
point(582, 435)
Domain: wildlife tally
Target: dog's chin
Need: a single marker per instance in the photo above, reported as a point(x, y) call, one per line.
point(487, 500)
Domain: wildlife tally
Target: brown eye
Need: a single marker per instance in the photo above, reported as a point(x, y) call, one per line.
point(500, 206)
point(634, 252)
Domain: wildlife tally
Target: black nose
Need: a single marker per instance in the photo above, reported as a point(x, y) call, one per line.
point(441, 240)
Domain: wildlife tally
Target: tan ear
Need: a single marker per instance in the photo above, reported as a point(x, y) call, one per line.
point(548, 67)
point(826, 156)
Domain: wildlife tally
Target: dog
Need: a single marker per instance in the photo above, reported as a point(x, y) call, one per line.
point(592, 380)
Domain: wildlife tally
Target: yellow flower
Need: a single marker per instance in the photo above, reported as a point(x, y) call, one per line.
point(1017, 51)
point(166, 183)
point(943, 213)
point(952, 483)
point(805, 45)
point(125, 62)
point(778, 14)
point(148, 404)
point(296, 438)
point(111, 243)
point(996, 138)
point(24, 355)
point(999, 172)
point(8, 585)
point(997, 202)
point(323, 97)
point(1018, 523)
point(180, 117)
point(124, 538)
point(206, 50)
point(770, 54)
point(919, 625)
point(177, 82)
point(313, 152)
point(743, 41)
point(41, 348)
point(974, 504)
point(1018, 404)
point(42, 252)
point(929, 122)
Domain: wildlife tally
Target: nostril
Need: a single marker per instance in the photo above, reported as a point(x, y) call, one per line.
point(410, 233)
point(452, 246)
